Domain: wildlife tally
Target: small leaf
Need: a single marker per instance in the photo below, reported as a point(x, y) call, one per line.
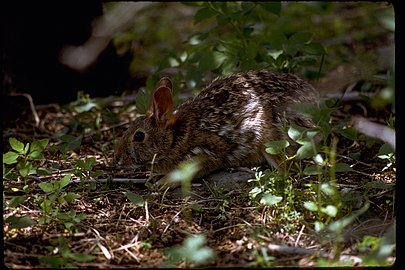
point(269, 199)
point(343, 167)
point(64, 181)
point(330, 210)
point(17, 200)
point(276, 147)
point(17, 145)
point(85, 107)
point(39, 145)
point(312, 170)
point(46, 187)
point(70, 196)
point(311, 206)
point(20, 222)
point(349, 133)
point(10, 157)
point(135, 198)
point(306, 151)
point(71, 143)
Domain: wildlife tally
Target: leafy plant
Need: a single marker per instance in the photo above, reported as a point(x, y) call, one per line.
point(192, 252)
point(63, 257)
point(23, 156)
point(51, 204)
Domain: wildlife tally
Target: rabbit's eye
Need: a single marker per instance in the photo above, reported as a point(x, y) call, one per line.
point(139, 136)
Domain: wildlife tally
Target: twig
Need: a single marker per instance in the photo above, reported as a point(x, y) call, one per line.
point(32, 106)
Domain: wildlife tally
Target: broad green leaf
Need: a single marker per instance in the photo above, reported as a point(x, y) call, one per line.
point(10, 157)
point(39, 145)
point(20, 222)
point(328, 189)
point(70, 196)
point(300, 38)
point(311, 206)
point(314, 48)
point(307, 150)
point(36, 155)
point(349, 133)
point(276, 147)
point(71, 143)
point(319, 226)
point(312, 170)
point(269, 199)
point(385, 150)
point(26, 168)
point(330, 210)
point(17, 145)
point(46, 187)
point(17, 200)
point(343, 167)
point(44, 171)
point(64, 181)
point(135, 198)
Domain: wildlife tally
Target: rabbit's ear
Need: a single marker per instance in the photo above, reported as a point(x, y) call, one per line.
point(161, 105)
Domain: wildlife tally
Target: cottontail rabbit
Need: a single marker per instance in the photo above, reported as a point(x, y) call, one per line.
point(227, 124)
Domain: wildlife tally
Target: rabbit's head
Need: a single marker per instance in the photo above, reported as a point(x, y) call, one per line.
point(150, 134)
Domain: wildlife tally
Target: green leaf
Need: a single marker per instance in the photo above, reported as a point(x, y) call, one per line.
point(10, 157)
point(328, 189)
point(276, 147)
point(85, 107)
point(70, 196)
point(339, 225)
point(20, 222)
point(385, 150)
point(81, 257)
point(26, 168)
point(330, 210)
point(64, 181)
point(17, 200)
point(142, 102)
point(311, 206)
point(135, 198)
point(269, 199)
point(300, 38)
point(46, 187)
point(307, 150)
point(314, 48)
point(17, 145)
point(71, 143)
point(343, 167)
point(349, 133)
point(312, 170)
point(39, 145)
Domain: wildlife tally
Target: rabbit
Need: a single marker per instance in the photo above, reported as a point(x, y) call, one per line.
point(225, 126)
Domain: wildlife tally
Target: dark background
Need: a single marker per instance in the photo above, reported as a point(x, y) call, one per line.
point(33, 35)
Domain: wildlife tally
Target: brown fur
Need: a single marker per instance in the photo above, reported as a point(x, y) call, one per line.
point(227, 124)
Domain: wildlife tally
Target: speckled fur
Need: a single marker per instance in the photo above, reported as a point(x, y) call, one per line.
point(227, 124)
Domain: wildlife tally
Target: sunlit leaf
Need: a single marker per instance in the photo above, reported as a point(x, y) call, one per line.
point(10, 157)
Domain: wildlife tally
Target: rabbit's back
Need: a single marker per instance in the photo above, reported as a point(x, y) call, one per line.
point(245, 110)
